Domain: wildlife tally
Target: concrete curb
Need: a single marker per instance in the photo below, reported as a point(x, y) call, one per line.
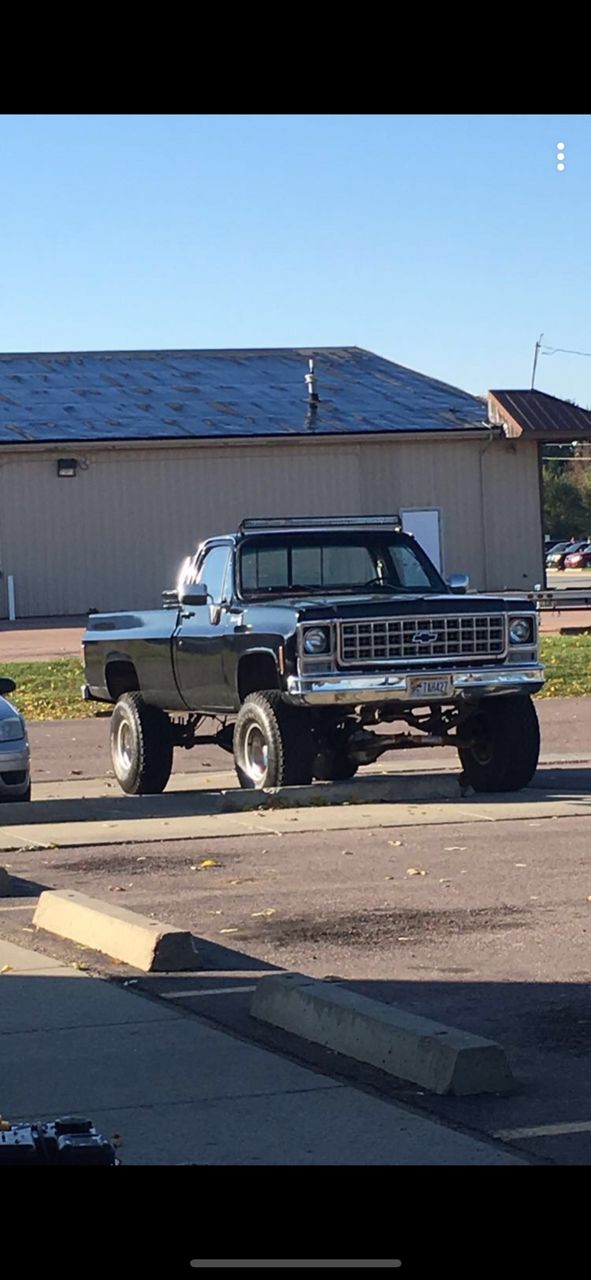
point(439, 1058)
point(388, 789)
point(137, 940)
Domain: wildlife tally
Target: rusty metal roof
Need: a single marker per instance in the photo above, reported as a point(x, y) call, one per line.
point(535, 413)
point(172, 395)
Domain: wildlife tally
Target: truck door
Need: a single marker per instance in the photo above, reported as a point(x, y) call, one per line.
point(199, 642)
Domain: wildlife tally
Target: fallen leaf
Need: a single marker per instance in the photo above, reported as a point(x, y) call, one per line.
point(243, 880)
point(395, 843)
point(415, 871)
point(348, 853)
point(456, 848)
point(403, 939)
point(521, 864)
point(6, 968)
point(389, 877)
point(116, 888)
point(208, 862)
point(228, 931)
point(141, 858)
point(268, 911)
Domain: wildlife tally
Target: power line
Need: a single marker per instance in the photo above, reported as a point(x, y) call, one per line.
point(552, 351)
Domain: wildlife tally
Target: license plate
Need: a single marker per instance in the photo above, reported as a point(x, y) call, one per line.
point(419, 687)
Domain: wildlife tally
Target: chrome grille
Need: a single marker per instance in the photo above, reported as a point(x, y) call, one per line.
point(463, 636)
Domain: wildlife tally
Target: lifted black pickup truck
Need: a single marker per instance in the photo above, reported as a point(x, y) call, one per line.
point(300, 635)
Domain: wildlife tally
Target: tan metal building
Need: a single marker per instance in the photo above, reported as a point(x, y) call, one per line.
point(114, 465)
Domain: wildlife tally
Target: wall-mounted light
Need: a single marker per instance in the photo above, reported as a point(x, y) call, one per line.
point(67, 466)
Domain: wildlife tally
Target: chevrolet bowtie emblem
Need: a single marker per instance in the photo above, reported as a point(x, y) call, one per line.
point(424, 637)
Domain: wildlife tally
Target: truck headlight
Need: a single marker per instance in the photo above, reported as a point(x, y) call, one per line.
point(316, 640)
point(11, 729)
point(521, 631)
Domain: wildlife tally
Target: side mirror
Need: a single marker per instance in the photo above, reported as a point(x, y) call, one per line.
point(6, 685)
point(195, 593)
point(458, 583)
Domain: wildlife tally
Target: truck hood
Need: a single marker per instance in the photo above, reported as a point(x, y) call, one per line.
point(312, 608)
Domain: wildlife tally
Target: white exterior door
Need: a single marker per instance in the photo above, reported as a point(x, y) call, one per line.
point(425, 525)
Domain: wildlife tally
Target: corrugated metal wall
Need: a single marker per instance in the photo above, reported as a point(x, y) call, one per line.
point(114, 536)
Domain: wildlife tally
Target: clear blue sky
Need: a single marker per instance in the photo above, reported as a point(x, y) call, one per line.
point(447, 243)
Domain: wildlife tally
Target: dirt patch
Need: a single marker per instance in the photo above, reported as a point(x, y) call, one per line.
point(130, 863)
point(374, 928)
point(559, 1027)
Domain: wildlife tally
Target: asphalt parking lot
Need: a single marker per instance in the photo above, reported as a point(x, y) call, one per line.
point(476, 911)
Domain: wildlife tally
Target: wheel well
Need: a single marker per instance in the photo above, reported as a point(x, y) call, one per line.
point(121, 677)
point(256, 672)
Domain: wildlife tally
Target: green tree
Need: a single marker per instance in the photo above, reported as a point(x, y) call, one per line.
point(567, 510)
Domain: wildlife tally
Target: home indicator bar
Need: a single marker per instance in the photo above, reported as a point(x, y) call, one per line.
point(360, 1263)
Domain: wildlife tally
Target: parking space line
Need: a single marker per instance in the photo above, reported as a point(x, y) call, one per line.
point(211, 991)
point(544, 1131)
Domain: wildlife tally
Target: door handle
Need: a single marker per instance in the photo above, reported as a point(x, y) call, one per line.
point(187, 613)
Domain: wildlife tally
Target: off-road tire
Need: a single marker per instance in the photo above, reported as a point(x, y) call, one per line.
point(141, 746)
point(278, 736)
point(506, 755)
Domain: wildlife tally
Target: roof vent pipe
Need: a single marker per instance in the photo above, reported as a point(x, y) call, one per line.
point(310, 378)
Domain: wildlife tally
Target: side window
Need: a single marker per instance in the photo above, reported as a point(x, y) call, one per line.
point(213, 573)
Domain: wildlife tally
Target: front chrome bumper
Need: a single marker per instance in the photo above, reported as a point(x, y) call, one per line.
point(332, 690)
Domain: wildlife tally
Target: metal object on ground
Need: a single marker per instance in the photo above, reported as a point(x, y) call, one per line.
point(71, 1140)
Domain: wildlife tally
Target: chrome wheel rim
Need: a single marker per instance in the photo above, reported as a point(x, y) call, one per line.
point(124, 747)
point(256, 754)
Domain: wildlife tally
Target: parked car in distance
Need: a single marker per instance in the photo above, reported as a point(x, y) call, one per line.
point(580, 559)
point(557, 557)
point(15, 766)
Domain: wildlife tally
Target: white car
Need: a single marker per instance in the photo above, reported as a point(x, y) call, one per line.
point(15, 761)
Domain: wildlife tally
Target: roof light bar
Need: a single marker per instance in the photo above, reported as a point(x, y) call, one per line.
point(265, 523)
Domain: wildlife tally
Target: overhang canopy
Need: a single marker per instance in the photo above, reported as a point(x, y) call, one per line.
point(539, 416)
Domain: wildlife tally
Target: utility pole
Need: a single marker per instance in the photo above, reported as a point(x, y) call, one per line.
point(536, 354)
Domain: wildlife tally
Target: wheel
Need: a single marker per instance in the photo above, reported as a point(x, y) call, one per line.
point(504, 755)
point(141, 746)
point(272, 743)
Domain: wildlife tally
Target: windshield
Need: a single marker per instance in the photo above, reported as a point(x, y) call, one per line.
point(339, 562)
